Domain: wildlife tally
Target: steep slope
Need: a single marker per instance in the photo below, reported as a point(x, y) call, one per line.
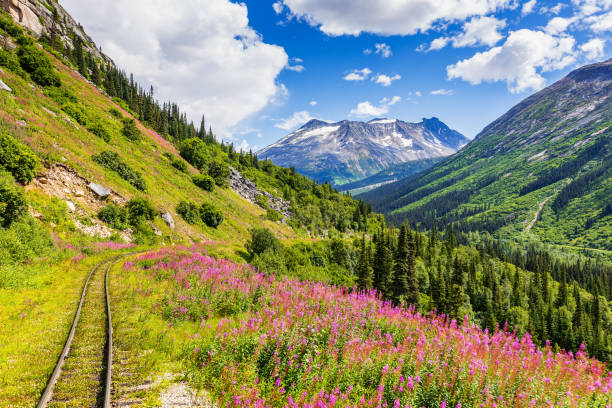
point(543, 167)
point(349, 151)
point(389, 175)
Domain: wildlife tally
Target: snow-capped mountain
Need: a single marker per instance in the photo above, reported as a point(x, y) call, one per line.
point(348, 151)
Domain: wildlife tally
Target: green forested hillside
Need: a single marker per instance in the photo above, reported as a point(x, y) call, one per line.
point(542, 169)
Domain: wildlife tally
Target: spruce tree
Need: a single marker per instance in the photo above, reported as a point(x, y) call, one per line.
point(364, 268)
point(383, 263)
point(399, 287)
point(412, 297)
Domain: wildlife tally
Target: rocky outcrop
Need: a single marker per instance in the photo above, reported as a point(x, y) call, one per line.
point(42, 19)
point(250, 192)
point(167, 217)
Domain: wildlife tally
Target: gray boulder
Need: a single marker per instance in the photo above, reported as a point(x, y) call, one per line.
point(167, 217)
point(5, 87)
point(99, 190)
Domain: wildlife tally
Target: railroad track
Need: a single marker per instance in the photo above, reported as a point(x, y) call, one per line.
point(83, 373)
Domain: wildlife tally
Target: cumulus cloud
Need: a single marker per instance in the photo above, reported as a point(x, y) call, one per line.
point(480, 31)
point(558, 25)
point(528, 7)
point(313, 103)
point(476, 31)
point(368, 109)
point(295, 120)
point(387, 17)
point(600, 23)
point(358, 75)
point(442, 92)
point(204, 56)
point(593, 49)
point(519, 61)
point(385, 80)
point(383, 50)
point(278, 7)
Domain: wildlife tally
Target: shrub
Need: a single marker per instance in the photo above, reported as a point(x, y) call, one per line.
point(220, 172)
point(115, 112)
point(112, 161)
point(180, 165)
point(189, 212)
point(143, 233)
point(203, 181)
point(9, 60)
point(99, 130)
point(38, 65)
point(76, 112)
point(17, 158)
point(140, 209)
point(114, 215)
point(61, 96)
point(270, 262)
point(210, 215)
point(130, 131)
point(262, 201)
point(262, 239)
point(25, 239)
point(13, 204)
point(194, 151)
point(273, 216)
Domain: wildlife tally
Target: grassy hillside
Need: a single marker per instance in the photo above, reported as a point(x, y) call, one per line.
point(543, 169)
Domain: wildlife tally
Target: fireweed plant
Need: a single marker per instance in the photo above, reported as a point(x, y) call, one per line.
point(265, 341)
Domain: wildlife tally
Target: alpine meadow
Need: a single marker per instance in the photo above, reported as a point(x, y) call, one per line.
point(295, 203)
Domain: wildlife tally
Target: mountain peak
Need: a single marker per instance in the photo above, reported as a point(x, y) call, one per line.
point(347, 151)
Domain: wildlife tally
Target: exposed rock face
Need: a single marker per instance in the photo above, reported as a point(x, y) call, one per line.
point(167, 217)
point(66, 184)
point(249, 191)
point(40, 20)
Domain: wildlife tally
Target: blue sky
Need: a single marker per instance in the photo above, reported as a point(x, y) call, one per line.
point(260, 69)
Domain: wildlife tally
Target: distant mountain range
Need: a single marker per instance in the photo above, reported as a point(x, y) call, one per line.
point(545, 167)
point(348, 151)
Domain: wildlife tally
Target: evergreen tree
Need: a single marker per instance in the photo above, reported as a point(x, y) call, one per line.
point(412, 297)
point(399, 287)
point(383, 263)
point(364, 267)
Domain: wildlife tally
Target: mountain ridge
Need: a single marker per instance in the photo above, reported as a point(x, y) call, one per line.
point(348, 151)
point(553, 143)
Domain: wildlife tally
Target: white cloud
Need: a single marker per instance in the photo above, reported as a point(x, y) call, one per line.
point(385, 80)
point(519, 61)
point(368, 109)
point(203, 55)
point(278, 7)
point(384, 50)
point(387, 17)
point(480, 31)
point(438, 43)
point(528, 7)
point(296, 120)
point(295, 68)
point(313, 103)
point(558, 25)
point(553, 9)
point(367, 51)
point(418, 93)
point(358, 75)
point(477, 31)
point(442, 92)
point(601, 22)
point(593, 49)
